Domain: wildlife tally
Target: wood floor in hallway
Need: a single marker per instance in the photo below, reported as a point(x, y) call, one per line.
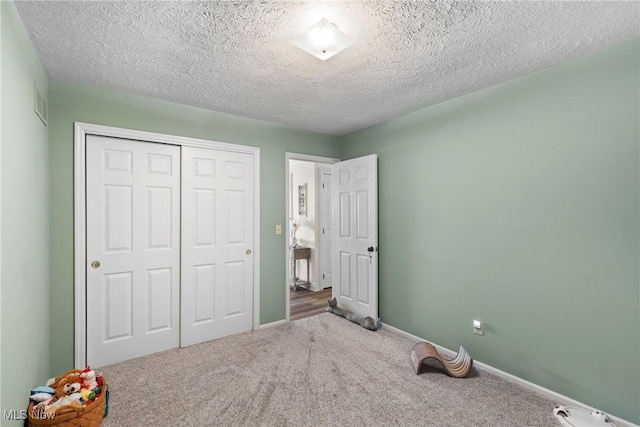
point(305, 303)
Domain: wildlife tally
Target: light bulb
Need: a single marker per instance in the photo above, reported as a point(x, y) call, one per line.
point(321, 36)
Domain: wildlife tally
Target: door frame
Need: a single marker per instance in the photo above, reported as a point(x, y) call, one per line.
point(81, 130)
point(308, 158)
point(321, 170)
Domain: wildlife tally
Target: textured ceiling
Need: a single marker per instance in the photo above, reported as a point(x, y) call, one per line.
point(235, 56)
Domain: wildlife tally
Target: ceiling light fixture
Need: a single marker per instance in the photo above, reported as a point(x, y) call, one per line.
point(323, 40)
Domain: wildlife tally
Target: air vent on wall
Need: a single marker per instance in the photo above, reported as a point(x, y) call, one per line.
point(40, 106)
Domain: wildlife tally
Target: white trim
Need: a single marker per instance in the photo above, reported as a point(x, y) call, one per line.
point(115, 132)
point(309, 158)
point(273, 324)
point(79, 245)
point(562, 399)
point(81, 130)
point(319, 243)
point(256, 238)
point(315, 287)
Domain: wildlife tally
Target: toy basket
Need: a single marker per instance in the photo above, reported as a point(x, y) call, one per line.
point(72, 415)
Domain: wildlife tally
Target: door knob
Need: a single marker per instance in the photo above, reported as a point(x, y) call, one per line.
point(95, 264)
point(370, 249)
point(248, 251)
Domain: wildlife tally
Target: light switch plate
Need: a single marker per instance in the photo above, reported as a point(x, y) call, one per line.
point(278, 229)
point(477, 327)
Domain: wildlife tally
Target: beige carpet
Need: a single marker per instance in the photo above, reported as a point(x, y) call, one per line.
point(318, 371)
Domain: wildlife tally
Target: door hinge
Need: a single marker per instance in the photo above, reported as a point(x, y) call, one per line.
point(323, 231)
point(322, 276)
point(323, 185)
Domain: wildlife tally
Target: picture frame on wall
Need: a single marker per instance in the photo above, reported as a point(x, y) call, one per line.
point(302, 200)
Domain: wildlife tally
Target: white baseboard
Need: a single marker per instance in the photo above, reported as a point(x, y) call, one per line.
point(273, 324)
point(512, 378)
point(315, 287)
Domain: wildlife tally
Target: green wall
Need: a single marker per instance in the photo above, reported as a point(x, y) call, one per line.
point(71, 102)
point(518, 205)
point(25, 219)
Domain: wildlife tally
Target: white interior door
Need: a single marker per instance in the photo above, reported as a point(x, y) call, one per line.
point(133, 248)
point(355, 207)
point(326, 229)
point(217, 240)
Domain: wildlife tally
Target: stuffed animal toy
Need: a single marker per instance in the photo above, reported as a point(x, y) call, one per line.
point(87, 395)
point(66, 400)
point(64, 386)
point(88, 379)
point(71, 388)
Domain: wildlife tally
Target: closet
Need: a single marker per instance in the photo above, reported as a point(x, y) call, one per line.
point(169, 241)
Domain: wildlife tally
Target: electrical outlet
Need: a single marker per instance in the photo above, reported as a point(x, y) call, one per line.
point(278, 229)
point(477, 327)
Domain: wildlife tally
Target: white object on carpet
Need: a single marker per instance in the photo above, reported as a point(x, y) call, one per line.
point(572, 416)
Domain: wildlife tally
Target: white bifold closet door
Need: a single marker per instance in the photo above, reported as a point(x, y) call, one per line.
point(217, 239)
point(169, 246)
point(133, 248)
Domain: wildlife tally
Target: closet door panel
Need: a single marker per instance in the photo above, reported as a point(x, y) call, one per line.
point(217, 244)
point(133, 251)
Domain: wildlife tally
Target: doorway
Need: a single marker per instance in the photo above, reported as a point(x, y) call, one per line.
point(308, 234)
point(145, 262)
